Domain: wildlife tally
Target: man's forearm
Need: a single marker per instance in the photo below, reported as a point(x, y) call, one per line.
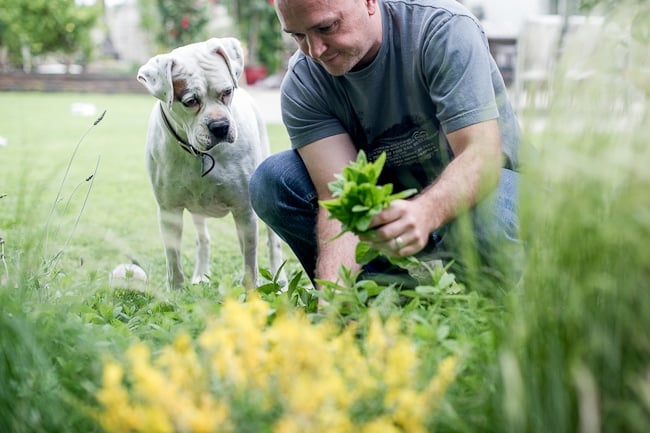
point(463, 183)
point(332, 254)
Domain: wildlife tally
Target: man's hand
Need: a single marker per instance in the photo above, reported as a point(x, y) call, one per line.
point(400, 230)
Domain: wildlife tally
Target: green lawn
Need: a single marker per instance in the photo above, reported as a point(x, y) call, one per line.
point(119, 219)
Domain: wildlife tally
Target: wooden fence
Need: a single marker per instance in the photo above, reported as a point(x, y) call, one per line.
point(82, 83)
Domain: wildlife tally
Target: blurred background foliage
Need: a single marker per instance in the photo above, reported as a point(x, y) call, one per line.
point(38, 27)
point(77, 29)
point(181, 22)
point(259, 28)
point(69, 29)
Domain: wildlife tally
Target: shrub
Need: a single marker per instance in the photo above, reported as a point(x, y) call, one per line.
point(242, 374)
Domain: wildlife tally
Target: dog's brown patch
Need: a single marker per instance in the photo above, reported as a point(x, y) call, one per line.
point(179, 88)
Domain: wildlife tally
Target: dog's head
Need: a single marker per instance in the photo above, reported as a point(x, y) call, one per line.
point(196, 83)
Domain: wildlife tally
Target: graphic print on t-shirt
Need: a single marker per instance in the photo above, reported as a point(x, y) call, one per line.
point(413, 150)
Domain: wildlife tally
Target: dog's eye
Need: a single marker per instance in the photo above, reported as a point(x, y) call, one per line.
point(226, 94)
point(190, 101)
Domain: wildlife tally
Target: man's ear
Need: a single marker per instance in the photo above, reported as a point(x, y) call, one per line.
point(156, 76)
point(230, 49)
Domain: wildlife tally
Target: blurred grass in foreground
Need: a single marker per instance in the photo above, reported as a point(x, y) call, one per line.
point(576, 356)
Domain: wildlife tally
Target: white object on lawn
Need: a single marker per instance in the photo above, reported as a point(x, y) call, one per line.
point(86, 109)
point(128, 273)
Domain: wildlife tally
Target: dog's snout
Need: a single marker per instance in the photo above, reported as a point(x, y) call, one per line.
point(219, 128)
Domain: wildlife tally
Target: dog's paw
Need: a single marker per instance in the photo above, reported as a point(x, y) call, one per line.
point(198, 279)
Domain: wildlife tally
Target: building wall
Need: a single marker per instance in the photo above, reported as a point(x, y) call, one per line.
point(130, 42)
point(507, 16)
point(134, 45)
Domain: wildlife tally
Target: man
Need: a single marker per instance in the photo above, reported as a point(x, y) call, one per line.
point(414, 79)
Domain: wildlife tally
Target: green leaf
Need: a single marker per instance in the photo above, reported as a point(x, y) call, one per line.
point(403, 194)
point(365, 254)
point(267, 288)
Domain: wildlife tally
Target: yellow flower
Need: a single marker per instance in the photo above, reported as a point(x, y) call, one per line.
point(112, 375)
point(237, 342)
point(153, 419)
point(377, 343)
point(446, 375)
point(148, 381)
point(288, 424)
point(114, 398)
point(382, 424)
point(401, 363)
point(312, 371)
point(183, 343)
point(120, 419)
point(210, 417)
point(409, 410)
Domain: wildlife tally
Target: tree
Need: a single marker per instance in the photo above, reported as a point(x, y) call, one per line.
point(183, 22)
point(259, 29)
point(37, 27)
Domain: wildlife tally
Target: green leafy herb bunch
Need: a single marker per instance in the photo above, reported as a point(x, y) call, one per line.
point(358, 198)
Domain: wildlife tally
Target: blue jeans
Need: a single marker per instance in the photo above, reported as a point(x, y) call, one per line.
point(485, 238)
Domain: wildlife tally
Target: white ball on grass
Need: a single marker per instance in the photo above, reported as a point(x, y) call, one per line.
point(128, 274)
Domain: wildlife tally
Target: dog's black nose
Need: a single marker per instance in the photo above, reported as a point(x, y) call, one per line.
point(219, 128)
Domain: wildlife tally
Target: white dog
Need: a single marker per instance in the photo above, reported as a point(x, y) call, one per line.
point(204, 141)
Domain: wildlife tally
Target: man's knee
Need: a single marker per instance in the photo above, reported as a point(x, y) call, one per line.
point(261, 187)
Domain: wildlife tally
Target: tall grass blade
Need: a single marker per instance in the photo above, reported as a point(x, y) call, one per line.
point(57, 197)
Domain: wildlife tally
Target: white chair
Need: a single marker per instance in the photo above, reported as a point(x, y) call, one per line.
point(581, 41)
point(537, 50)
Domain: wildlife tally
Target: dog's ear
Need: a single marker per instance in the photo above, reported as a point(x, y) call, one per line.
point(230, 49)
point(156, 76)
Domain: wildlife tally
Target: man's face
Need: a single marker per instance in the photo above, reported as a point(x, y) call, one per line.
point(341, 35)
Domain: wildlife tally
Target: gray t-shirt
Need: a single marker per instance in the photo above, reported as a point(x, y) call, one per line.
point(433, 73)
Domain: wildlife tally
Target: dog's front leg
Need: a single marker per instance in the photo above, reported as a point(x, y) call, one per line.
point(246, 223)
point(171, 228)
point(202, 266)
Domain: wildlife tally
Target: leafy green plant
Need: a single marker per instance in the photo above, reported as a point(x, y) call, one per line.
point(260, 31)
point(358, 198)
point(298, 293)
point(49, 365)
